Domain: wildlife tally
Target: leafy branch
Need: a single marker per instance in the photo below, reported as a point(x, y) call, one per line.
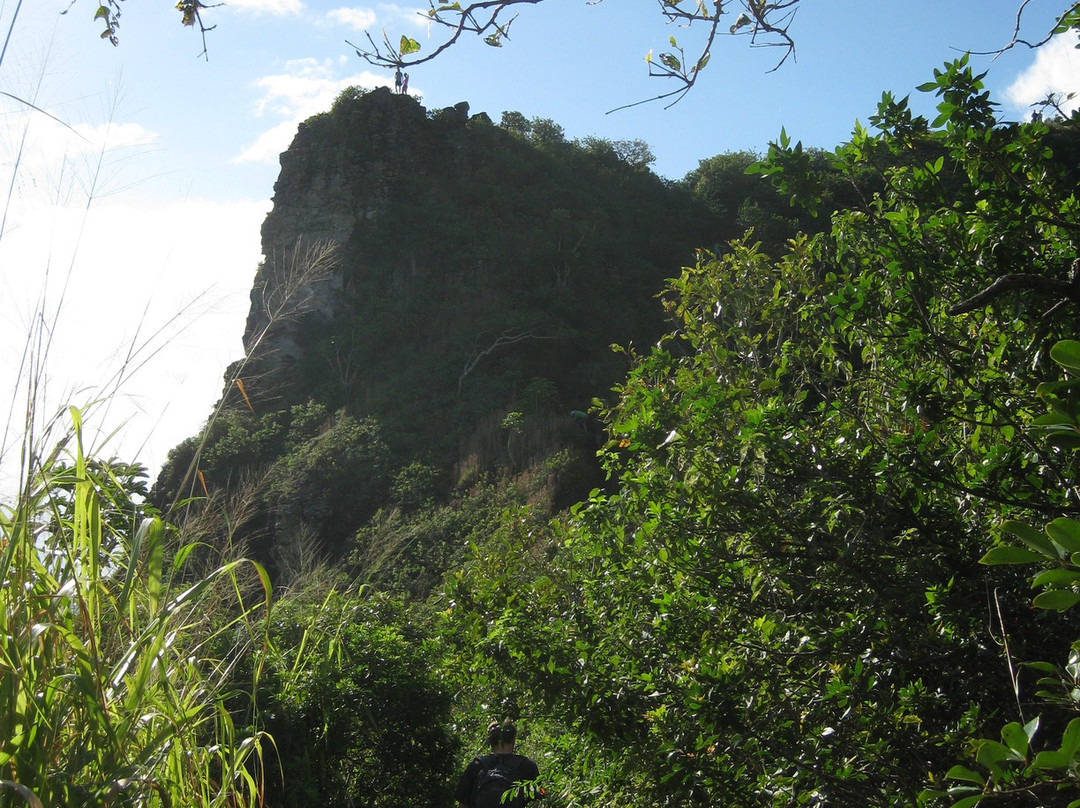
point(108, 11)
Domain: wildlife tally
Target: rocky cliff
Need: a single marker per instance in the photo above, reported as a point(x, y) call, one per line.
point(450, 288)
point(467, 261)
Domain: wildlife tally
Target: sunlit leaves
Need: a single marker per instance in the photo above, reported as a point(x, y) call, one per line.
point(782, 577)
point(671, 62)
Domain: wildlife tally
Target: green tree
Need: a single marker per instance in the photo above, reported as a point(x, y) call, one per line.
point(352, 695)
point(329, 484)
point(1026, 767)
point(779, 602)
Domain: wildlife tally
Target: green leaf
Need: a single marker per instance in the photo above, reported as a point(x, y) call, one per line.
point(930, 794)
point(961, 773)
point(155, 544)
point(1054, 419)
point(1070, 740)
point(408, 45)
point(1058, 577)
point(968, 802)
point(1042, 667)
point(670, 62)
point(1045, 388)
point(183, 553)
point(1056, 600)
point(742, 21)
point(1018, 736)
point(1035, 539)
point(1065, 532)
point(1067, 354)
point(1009, 555)
point(1052, 760)
point(991, 753)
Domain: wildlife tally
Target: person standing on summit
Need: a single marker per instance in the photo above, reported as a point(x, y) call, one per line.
point(488, 777)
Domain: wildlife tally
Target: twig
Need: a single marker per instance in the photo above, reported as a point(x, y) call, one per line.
point(1008, 657)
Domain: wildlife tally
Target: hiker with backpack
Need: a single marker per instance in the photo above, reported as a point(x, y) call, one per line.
point(489, 777)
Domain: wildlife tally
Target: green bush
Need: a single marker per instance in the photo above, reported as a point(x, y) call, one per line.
point(353, 699)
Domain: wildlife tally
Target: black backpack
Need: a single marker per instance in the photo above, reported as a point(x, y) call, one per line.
point(497, 775)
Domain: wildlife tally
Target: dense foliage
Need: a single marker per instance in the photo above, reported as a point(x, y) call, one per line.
point(352, 698)
point(831, 563)
point(781, 602)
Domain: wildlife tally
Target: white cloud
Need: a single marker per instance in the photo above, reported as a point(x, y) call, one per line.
point(384, 15)
point(132, 279)
point(359, 19)
point(305, 88)
point(59, 162)
point(415, 16)
point(1056, 70)
point(276, 8)
point(114, 136)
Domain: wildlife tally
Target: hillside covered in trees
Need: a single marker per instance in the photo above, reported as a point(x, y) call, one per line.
point(807, 535)
point(438, 308)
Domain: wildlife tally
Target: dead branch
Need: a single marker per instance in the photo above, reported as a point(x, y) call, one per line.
point(507, 337)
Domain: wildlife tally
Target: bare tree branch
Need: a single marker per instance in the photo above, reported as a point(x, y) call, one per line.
point(507, 337)
point(1024, 282)
point(766, 23)
point(1063, 24)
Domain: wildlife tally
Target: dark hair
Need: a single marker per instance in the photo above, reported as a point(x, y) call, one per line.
point(501, 733)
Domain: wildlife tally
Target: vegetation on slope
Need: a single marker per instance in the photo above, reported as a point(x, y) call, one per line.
point(780, 602)
point(485, 277)
point(806, 579)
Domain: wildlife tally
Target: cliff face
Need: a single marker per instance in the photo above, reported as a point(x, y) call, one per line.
point(338, 172)
point(438, 292)
point(468, 261)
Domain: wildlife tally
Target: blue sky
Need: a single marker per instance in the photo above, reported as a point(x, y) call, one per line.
point(138, 221)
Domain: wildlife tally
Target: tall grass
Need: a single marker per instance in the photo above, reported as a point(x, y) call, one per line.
point(111, 692)
point(119, 651)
